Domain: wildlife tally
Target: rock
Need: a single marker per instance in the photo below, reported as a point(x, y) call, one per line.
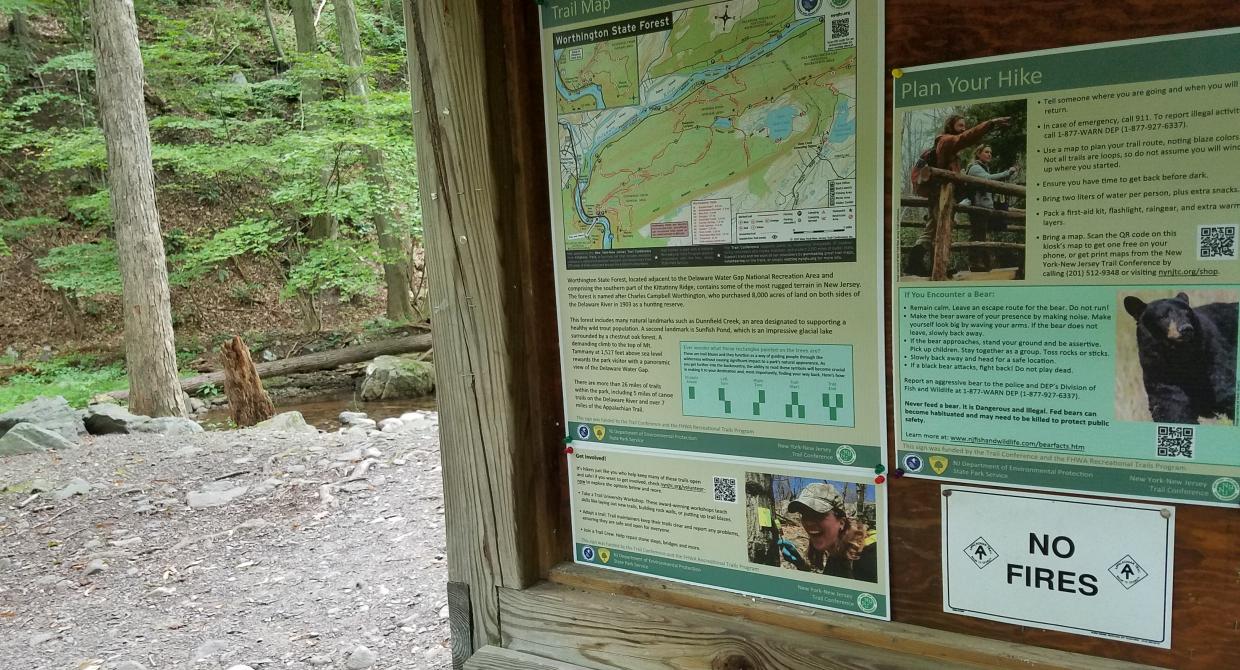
point(360, 658)
point(265, 487)
point(187, 452)
point(391, 425)
point(95, 567)
point(127, 542)
point(53, 414)
point(372, 452)
point(28, 438)
point(107, 419)
point(351, 456)
point(288, 422)
point(207, 650)
point(241, 667)
point(130, 665)
point(6, 565)
point(169, 425)
point(42, 638)
point(75, 487)
point(319, 661)
point(397, 378)
point(347, 418)
point(203, 499)
point(197, 406)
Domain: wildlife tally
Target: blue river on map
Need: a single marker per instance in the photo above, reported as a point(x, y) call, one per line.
point(592, 91)
point(844, 127)
point(703, 76)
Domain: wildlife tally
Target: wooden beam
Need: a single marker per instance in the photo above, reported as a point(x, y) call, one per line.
point(470, 270)
point(1010, 214)
point(498, 658)
point(617, 632)
point(941, 647)
point(910, 223)
point(985, 184)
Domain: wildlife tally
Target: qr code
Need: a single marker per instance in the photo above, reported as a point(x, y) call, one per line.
point(840, 28)
point(1216, 242)
point(725, 489)
point(1176, 441)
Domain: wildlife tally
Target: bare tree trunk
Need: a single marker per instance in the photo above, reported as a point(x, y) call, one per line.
point(150, 349)
point(323, 226)
point(761, 533)
point(271, 27)
point(393, 244)
point(248, 403)
point(19, 29)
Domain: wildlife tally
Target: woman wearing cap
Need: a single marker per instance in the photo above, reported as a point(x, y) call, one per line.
point(839, 545)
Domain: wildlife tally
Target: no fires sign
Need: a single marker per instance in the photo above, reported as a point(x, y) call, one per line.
point(1092, 567)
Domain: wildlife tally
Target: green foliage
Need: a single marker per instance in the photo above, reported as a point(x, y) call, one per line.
point(77, 378)
point(259, 144)
point(83, 270)
point(253, 236)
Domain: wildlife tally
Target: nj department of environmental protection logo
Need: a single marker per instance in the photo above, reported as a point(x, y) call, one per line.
point(604, 555)
point(588, 553)
point(583, 432)
point(939, 464)
point(846, 455)
point(600, 432)
point(1226, 489)
point(913, 463)
point(867, 603)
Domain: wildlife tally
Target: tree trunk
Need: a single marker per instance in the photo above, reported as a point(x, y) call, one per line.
point(271, 27)
point(324, 360)
point(393, 244)
point(762, 535)
point(248, 403)
point(19, 30)
point(322, 226)
point(150, 349)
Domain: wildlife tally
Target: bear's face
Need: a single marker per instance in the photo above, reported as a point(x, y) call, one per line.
point(1170, 322)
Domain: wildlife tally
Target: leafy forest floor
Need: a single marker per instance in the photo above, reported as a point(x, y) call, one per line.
point(220, 549)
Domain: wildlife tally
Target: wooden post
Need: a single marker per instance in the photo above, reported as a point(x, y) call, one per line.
point(248, 403)
point(498, 430)
point(945, 217)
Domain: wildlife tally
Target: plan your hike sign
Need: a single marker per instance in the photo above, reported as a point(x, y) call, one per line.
point(1091, 567)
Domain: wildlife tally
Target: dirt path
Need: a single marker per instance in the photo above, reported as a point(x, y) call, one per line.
point(129, 576)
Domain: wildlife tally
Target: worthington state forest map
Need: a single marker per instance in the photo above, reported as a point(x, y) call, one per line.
point(731, 123)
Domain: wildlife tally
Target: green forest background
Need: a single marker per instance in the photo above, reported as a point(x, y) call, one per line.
point(265, 174)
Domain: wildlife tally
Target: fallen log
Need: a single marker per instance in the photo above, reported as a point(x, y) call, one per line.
point(322, 360)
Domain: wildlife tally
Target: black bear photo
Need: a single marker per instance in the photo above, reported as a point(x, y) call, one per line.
point(1187, 356)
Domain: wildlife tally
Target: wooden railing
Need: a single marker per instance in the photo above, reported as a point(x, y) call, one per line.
point(982, 250)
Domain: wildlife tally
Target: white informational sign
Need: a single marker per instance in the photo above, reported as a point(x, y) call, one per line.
point(1092, 567)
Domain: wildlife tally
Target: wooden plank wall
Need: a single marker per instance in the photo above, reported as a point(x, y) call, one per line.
point(1206, 624)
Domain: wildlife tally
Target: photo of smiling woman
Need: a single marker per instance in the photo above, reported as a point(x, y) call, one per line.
point(824, 527)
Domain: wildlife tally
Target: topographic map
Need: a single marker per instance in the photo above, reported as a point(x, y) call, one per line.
point(724, 124)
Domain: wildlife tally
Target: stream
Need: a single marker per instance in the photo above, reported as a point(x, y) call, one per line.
point(324, 412)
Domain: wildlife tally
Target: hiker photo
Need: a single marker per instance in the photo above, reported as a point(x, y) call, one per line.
point(963, 172)
point(1175, 357)
point(812, 525)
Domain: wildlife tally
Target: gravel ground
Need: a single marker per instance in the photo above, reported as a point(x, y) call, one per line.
point(318, 555)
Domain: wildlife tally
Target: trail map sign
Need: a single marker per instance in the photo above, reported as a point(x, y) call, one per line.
point(1092, 567)
point(1065, 318)
point(718, 252)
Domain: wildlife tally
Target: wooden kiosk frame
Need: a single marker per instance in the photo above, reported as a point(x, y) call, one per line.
point(515, 598)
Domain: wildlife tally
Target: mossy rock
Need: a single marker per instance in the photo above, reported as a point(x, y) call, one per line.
point(397, 378)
